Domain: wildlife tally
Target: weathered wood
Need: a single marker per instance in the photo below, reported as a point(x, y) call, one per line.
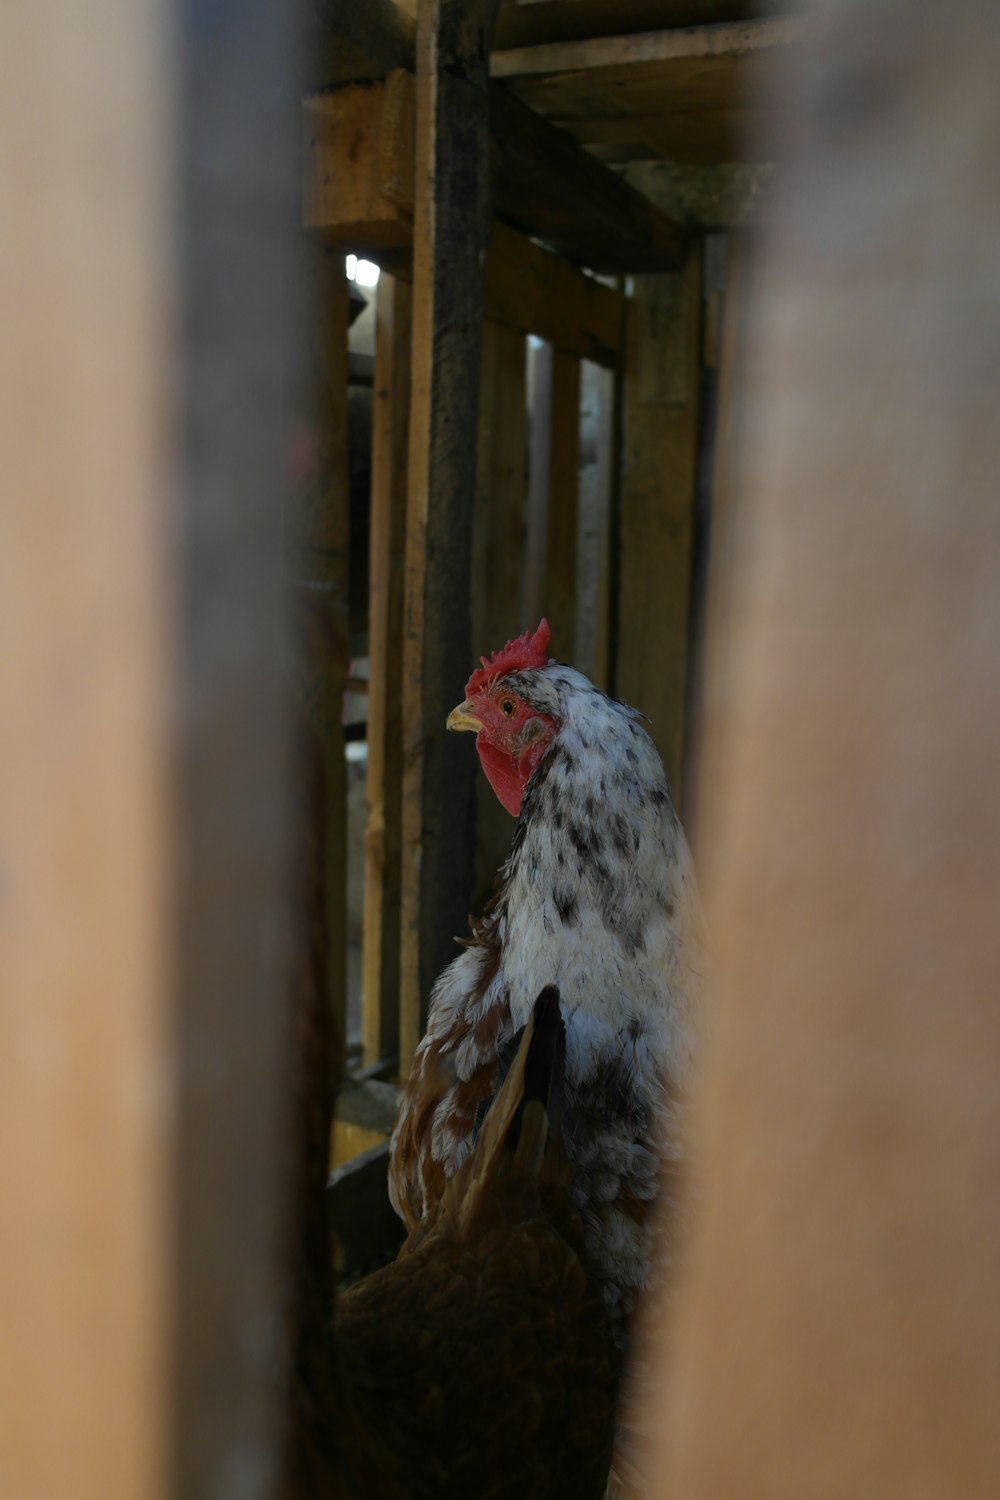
point(358, 163)
point(317, 542)
point(561, 520)
point(544, 182)
point(531, 290)
point(451, 215)
point(661, 388)
point(643, 54)
point(87, 628)
point(383, 788)
point(498, 566)
point(351, 41)
point(598, 460)
point(358, 195)
point(527, 23)
point(547, 185)
point(696, 95)
point(840, 1303)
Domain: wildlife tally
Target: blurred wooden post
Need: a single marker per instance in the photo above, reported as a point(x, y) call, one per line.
point(318, 543)
point(661, 389)
point(86, 832)
point(838, 1327)
point(383, 790)
point(449, 236)
point(146, 275)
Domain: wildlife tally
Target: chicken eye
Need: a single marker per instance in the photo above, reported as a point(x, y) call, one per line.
point(507, 708)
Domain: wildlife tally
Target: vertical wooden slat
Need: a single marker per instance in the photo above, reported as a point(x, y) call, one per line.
point(594, 537)
point(383, 788)
point(498, 566)
point(563, 486)
point(656, 508)
point(840, 1303)
point(450, 217)
point(318, 542)
point(241, 361)
point(539, 401)
point(85, 828)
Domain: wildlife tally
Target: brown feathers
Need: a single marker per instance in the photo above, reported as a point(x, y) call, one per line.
point(481, 1363)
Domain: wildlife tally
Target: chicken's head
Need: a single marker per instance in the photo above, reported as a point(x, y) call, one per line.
point(512, 733)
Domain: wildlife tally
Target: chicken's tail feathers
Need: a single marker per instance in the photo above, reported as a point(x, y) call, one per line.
point(523, 1124)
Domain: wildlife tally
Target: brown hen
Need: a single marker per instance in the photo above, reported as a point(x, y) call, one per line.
point(481, 1362)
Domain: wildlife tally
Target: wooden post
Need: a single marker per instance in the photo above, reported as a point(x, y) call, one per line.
point(498, 570)
point(383, 790)
point(86, 826)
point(318, 541)
point(450, 218)
point(241, 371)
point(559, 601)
point(840, 1298)
point(656, 509)
point(149, 337)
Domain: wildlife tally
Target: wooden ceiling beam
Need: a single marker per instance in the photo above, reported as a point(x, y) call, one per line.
point(544, 182)
point(646, 49)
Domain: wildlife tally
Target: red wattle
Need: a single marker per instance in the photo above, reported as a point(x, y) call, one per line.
point(503, 774)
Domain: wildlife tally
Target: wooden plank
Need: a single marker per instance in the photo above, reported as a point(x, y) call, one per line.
point(645, 53)
point(561, 520)
point(241, 332)
point(87, 624)
point(661, 387)
point(549, 187)
point(598, 458)
point(526, 23)
point(383, 787)
point(317, 540)
point(358, 195)
point(498, 565)
point(358, 162)
point(531, 290)
point(449, 236)
point(544, 182)
point(700, 95)
point(841, 1277)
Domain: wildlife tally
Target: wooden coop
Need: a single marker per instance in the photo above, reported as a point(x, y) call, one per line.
point(556, 196)
point(257, 523)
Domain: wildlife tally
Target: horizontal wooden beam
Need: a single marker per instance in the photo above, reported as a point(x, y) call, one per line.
point(646, 49)
point(533, 291)
point(524, 23)
point(544, 182)
point(358, 195)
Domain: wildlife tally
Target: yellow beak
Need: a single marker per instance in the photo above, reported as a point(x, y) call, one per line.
point(462, 717)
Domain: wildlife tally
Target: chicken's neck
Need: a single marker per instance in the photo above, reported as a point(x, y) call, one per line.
point(597, 888)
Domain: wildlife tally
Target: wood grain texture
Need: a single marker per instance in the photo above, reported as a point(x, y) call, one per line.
point(383, 786)
point(696, 95)
point(656, 512)
point(841, 1300)
point(544, 182)
point(449, 235)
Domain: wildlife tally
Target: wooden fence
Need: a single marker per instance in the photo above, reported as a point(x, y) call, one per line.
point(583, 506)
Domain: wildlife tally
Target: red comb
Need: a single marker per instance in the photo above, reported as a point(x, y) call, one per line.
point(527, 651)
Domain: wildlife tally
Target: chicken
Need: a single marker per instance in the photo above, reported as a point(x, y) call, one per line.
point(598, 897)
point(481, 1362)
